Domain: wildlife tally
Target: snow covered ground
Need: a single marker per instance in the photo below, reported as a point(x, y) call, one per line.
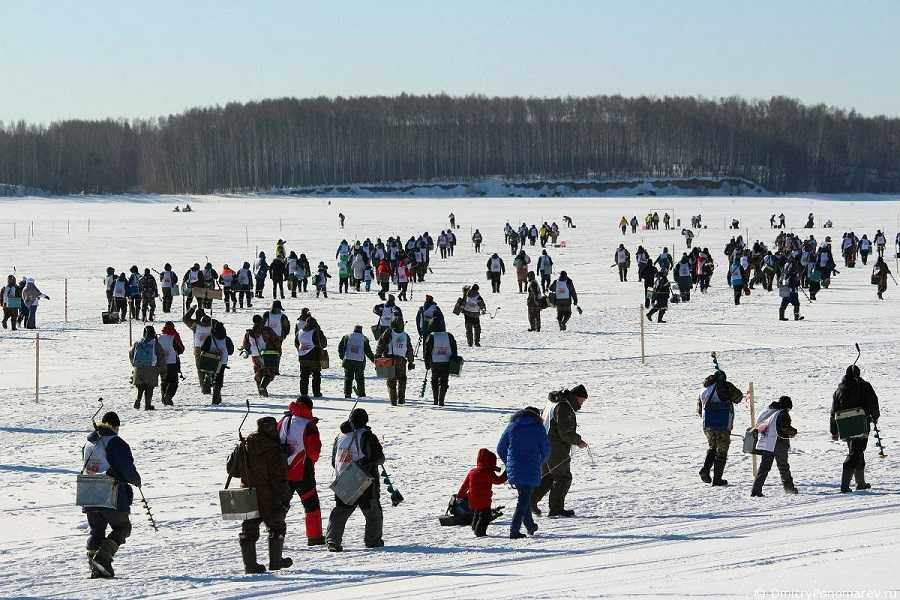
point(646, 525)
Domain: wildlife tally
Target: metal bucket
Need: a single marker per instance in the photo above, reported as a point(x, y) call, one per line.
point(97, 491)
point(239, 504)
point(351, 483)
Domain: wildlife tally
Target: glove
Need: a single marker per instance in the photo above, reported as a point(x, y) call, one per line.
point(412, 366)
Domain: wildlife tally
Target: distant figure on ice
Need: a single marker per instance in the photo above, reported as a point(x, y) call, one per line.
point(810, 222)
point(341, 218)
point(568, 221)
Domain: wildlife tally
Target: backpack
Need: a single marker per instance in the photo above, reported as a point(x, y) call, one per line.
point(237, 461)
point(143, 354)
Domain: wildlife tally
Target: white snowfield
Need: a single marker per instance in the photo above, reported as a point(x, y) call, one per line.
point(646, 526)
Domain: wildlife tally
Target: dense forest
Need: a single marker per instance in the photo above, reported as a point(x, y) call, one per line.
point(780, 143)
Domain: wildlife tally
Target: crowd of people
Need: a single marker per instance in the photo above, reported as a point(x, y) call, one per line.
point(279, 459)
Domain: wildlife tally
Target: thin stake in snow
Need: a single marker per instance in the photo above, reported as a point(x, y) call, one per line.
point(752, 422)
point(37, 367)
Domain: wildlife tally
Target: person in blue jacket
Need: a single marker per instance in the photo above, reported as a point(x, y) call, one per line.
point(105, 452)
point(524, 447)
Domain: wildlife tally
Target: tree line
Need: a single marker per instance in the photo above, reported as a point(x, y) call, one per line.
point(779, 143)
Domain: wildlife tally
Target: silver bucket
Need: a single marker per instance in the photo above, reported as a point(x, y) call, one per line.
point(97, 491)
point(239, 504)
point(351, 484)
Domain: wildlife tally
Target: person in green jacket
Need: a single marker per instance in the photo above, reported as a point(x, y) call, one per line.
point(562, 428)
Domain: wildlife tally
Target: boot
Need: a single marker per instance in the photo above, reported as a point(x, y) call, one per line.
point(707, 465)
point(95, 574)
point(846, 475)
point(860, 475)
point(797, 316)
point(781, 316)
point(276, 560)
point(718, 469)
point(102, 560)
point(217, 395)
point(137, 402)
point(401, 391)
point(148, 399)
point(442, 396)
point(662, 313)
point(392, 393)
point(248, 554)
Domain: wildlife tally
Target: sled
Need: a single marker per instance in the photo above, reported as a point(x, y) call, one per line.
point(97, 491)
point(239, 504)
point(351, 483)
point(852, 423)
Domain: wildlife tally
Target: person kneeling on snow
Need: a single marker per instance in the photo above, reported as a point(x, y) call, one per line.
point(476, 488)
point(775, 433)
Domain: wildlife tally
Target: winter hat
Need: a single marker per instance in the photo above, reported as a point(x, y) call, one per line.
point(579, 391)
point(111, 419)
point(563, 275)
point(853, 372)
point(267, 425)
point(357, 329)
point(359, 418)
point(276, 306)
point(786, 402)
point(149, 333)
point(429, 298)
point(257, 319)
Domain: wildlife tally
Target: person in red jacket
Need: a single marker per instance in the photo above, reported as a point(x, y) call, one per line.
point(476, 487)
point(300, 438)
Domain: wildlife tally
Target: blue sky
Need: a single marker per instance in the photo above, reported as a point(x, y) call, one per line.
point(98, 58)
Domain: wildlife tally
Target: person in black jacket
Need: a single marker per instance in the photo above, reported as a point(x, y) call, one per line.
point(277, 272)
point(440, 349)
point(661, 290)
point(357, 443)
point(854, 392)
point(775, 421)
point(105, 452)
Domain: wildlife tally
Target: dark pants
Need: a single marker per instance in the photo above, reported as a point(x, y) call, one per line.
point(473, 329)
point(101, 518)
point(343, 285)
point(274, 523)
point(370, 505)
point(401, 288)
point(10, 313)
point(148, 305)
point(134, 304)
point(260, 284)
point(306, 489)
point(355, 372)
point(855, 453)
point(545, 281)
point(166, 299)
point(245, 294)
point(556, 478)
point(523, 510)
point(738, 290)
point(277, 286)
point(305, 374)
point(122, 307)
point(623, 272)
point(563, 312)
point(440, 381)
point(779, 457)
point(110, 301)
point(495, 282)
point(480, 521)
point(169, 383)
point(534, 319)
point(230, 298)
point(792, 299)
